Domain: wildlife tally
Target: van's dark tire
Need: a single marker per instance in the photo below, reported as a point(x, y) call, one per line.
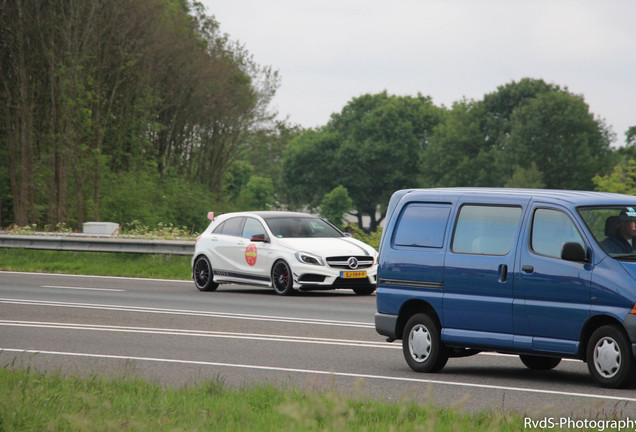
point(609, 357)
point(540, 362)
point(367, 290)
point(422, 346)
point(203, 275)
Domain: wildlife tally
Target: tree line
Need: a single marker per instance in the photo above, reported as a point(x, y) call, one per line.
point(142, 110)
point(107, 97)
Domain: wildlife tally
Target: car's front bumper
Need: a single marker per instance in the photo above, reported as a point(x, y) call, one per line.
point(323, 277)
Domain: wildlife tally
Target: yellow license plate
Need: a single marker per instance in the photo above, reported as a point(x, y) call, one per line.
point(353, 274)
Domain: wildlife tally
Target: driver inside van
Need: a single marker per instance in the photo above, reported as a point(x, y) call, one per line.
point(620, 239)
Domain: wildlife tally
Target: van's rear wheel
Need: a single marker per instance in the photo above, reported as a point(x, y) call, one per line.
point(609, 357)
point(422, 345)
point(540, 362)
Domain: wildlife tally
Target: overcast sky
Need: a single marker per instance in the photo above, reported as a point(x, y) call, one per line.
point(330, 51)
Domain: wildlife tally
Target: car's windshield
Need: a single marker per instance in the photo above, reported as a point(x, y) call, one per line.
point(301, 227)
point(614, 228)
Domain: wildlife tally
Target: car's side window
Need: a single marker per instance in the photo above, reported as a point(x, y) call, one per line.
point(486, 229)
point(422, 225)
point(252, 227)
point(232, 227)
point(550, 229)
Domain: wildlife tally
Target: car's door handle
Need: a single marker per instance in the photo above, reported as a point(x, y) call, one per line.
point(527, 269)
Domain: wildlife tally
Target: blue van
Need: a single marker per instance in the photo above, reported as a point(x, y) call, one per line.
point(544, 274)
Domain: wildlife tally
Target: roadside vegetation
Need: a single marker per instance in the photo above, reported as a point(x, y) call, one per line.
point(96, 263)
point(35, 401)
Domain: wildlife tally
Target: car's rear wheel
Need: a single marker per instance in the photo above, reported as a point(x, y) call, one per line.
point(282, 279)
point(539, 362)
point(202, 274)
point(422, 344)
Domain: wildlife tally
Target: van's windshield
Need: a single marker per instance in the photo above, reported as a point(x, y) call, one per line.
point(614, 228)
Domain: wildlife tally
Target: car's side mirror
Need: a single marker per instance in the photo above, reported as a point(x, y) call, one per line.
point(259, 238)
point(573, 251)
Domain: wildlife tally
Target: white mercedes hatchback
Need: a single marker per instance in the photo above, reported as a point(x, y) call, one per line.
point(283, 250)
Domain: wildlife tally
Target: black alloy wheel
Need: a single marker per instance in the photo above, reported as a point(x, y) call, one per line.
point(282, 279)
point(202, 274)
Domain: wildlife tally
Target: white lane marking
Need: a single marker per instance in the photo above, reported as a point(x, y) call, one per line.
point(198, 333)
point(82, 288)
point(97, 277)
point(322, 372)
point(293, 320)
point(222, 335)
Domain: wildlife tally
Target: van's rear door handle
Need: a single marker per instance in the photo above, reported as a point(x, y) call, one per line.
point(527, 269)
point(503, 273)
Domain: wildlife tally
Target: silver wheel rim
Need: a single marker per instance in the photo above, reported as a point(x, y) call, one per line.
point(420, 343)
point(607, 357)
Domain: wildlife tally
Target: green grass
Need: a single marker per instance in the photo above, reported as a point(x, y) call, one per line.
point(95, 263)
point(34, 401)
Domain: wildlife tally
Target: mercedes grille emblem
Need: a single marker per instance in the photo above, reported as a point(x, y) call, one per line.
point(353, 263)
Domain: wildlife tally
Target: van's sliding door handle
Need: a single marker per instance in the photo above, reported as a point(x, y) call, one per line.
point(527, 269)
point(503, 273)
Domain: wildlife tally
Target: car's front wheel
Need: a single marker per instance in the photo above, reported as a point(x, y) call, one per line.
point(282, 279)
point(367, 290)
point(202, 274)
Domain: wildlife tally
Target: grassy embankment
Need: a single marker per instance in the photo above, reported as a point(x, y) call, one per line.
point(32, 401)
point(94, 263)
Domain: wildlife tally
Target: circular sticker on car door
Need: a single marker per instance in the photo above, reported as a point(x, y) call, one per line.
point(250, 254)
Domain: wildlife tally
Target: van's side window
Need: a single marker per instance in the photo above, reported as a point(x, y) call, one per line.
point(486, 230)
point(422, 225)
point(550, 229)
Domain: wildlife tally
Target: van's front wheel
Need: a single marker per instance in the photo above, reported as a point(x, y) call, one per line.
point(609, 357)
point(422, 345)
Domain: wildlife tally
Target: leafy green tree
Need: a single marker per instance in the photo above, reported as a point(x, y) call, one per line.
point(236, 177)
point(630, 136)
point(621, 180)
point(335, 204)
point(557, 132)
point(458, 154)
point(493, 141)
point(309, 170)
point(372, 148)
point(383, 138)
point(529, 177)
point(258, 194)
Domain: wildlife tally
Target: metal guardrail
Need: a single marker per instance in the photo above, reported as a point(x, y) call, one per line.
point(85, 244)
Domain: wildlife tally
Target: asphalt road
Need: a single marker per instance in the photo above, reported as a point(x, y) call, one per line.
point(169, 332)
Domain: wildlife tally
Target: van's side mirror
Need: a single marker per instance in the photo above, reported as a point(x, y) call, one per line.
point(573, 251)
point(259, 238)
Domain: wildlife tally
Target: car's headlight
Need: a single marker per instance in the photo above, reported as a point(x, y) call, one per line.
point(309, 258)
